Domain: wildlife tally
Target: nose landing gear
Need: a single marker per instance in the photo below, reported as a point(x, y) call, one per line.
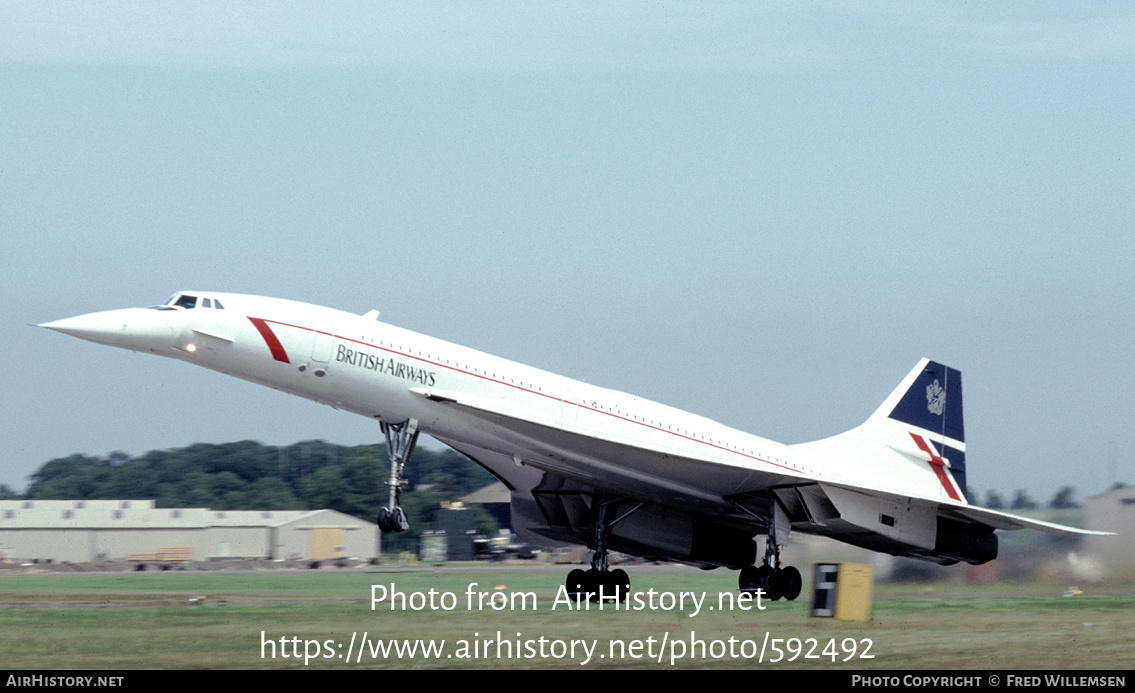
point(400, 441)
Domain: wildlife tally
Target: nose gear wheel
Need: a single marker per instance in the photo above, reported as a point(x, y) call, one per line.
point(400, 441)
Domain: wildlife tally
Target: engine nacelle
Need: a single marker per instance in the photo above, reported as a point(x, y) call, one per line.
point(722, 546)
point(965, 542)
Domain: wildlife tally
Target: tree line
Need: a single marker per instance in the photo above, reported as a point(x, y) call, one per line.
point(1062, 499)
point(248, 475)
point(309, 475)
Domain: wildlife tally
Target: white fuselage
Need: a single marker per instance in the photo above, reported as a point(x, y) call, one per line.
point(699, 490)
point(374, 369)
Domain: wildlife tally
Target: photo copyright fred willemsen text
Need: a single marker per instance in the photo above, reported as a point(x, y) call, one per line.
point(367, 647)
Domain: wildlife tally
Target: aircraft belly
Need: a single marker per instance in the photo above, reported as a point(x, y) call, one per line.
point(552, 510)
point(663, 478)
point(904, 520)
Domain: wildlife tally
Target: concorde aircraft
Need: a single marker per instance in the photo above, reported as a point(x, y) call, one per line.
point(588, 465)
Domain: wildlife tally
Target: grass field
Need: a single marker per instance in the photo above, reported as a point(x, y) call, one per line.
point(229, 620)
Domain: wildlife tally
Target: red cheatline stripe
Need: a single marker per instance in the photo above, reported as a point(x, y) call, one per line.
point(270, 338)
point(280, 355)
point(938, 465)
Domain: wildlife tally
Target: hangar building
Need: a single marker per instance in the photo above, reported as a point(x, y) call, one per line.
point(110, 530)
point(1113, 511)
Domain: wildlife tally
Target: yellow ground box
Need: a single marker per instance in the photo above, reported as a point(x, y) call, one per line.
point(842, 591)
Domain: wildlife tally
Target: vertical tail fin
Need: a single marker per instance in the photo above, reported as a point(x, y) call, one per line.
point(914, 443)
point(928, 406)
point(930, 397)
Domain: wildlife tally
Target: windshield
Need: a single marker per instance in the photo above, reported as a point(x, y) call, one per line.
point(188, 302)
point(178, 300)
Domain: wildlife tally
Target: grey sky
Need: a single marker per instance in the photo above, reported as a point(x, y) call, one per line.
point(764, 216)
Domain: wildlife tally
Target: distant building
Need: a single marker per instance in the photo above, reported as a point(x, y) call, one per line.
point(1113, 511)
point(496, 499)
point(112, 530)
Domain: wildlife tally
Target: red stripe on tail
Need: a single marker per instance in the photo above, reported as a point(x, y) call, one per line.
point(937, 464)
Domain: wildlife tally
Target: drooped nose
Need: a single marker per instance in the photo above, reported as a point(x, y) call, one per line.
point(140, 329)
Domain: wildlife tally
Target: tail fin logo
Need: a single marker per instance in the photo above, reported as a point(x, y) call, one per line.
point(932, 400)
point(935, 398)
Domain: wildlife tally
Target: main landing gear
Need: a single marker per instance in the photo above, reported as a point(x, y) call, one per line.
point(774, 581)
point(599, 583)
point(400, 441)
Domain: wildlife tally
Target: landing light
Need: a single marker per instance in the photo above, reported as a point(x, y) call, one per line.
point(191, 348)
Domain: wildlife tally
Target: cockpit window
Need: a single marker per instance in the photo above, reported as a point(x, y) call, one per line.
point(168, 305)
point(189, 301)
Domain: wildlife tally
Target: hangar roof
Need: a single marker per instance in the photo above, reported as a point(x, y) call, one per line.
point(137, 514)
